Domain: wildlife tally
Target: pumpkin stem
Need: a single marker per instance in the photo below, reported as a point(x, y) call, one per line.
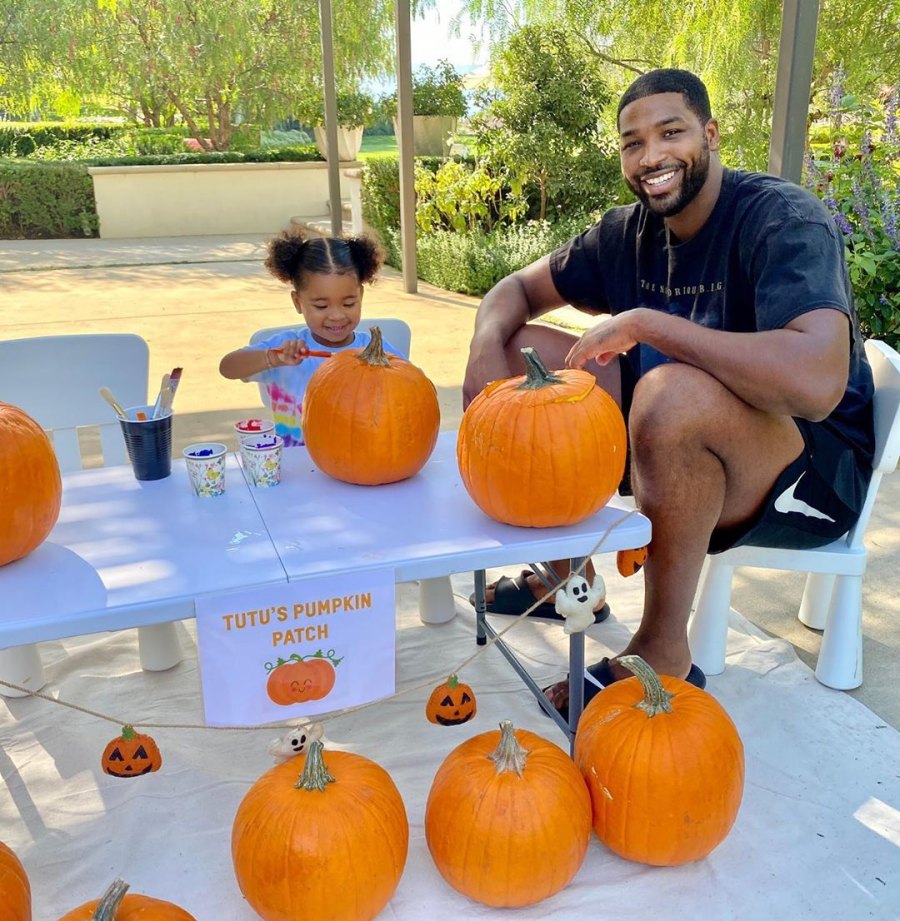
point(453, 682)
point(315, 775)
point(509, 755)
point(128, 732)
point(656, 698)
point(536, 375)
point(373, 353)
point(108, 906)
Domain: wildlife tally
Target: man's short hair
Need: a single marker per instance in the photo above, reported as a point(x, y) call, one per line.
point(670, 80)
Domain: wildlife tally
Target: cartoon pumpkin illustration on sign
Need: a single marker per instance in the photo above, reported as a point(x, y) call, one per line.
point(298, 679)
point(132, 754)
point(451, 703)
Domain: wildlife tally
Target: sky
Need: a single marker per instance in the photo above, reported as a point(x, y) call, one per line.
point(430, 40)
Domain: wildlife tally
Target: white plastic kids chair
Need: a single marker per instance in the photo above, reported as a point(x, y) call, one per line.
point(832, 598)
point(56, 380)
point(436, 604)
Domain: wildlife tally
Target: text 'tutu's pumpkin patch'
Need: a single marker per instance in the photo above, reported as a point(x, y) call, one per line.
point(451, 703)
point(132, 754)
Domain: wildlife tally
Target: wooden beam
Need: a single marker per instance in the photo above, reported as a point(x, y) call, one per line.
point(405, 143)
point(331, 139)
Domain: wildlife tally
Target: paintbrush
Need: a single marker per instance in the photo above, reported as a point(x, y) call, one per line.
point(106, 393)
point(310, 353)
point(174, 381)
point(163, 387)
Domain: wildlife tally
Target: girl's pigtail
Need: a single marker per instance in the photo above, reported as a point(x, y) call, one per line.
point(367, 257)
point(286, 253)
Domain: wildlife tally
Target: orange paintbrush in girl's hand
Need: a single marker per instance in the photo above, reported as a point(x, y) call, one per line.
point(310, 353)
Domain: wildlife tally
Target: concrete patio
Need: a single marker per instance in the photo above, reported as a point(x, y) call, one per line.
point(195, 298)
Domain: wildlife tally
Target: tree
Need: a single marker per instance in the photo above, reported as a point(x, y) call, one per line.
point(214, 62)
point(545, 123)
point(731, 44)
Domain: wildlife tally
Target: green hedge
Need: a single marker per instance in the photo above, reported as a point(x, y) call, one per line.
point(301, 154)
point(46, 200)
point(21, 138)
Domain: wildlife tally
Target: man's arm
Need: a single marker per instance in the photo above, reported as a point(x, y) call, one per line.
point(504, 310)
point(800, 370)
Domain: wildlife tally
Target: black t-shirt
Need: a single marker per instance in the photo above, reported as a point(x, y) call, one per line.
point(768, 253)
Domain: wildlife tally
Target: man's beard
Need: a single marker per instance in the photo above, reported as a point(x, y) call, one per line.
point(692, 180)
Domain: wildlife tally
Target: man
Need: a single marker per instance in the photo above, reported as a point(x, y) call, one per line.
point(732, 347)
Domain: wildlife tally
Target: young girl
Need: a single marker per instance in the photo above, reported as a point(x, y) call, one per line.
point(327, 275)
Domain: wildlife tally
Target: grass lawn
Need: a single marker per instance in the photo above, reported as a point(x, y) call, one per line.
point(378, 145)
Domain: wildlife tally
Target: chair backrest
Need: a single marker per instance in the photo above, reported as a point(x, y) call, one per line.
point(56, 380)
point(395, 331)
point(885, 364)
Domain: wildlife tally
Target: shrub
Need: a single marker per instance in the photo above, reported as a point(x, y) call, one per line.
point(542, 123)
point(854, 166)
point(20, 139)
point(46, 200)
point(473, 263)
point(354, 108)
point(436, 90)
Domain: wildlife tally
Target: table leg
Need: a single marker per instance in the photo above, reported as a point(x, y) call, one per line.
point(480, 608)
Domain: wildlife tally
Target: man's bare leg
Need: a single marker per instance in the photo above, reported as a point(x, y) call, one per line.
point(552, 345)
point(701, 459)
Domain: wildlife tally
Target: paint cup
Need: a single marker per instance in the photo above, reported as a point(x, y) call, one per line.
point(261, 456)
point(205, 462)
point(148, 442)
point(249, 428)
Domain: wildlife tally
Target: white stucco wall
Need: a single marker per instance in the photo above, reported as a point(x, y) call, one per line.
point(215, 198)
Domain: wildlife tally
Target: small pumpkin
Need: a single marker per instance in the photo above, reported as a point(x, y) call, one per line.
point(664, 765)
point(508, 818)
point(629, 562)
point(332, 844)
point(30, 484)
point(299, 678)
point(370, 417)
point(451, 703)
point(131, 754)
point(15, 890)
point(541, 449)
point(115, 905)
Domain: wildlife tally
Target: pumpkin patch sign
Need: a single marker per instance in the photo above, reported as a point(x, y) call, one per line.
point(309, 647)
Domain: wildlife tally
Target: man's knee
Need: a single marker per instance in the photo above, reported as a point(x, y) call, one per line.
point(673, 398)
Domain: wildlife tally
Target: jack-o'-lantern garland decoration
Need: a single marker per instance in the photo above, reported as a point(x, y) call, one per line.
point(132, 754)
point(629, 562)
point(542, 449)
point(451, 703)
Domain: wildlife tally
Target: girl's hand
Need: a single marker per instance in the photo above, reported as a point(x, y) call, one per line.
point(291, 352)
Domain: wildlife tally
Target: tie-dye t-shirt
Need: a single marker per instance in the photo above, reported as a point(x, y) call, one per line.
point(285, 385)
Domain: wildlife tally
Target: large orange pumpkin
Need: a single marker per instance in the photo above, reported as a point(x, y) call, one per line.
point(30, 484)
point(664, 764)
point(15, 891)
point(370, 417)
point(542, 449)
point(116, 906)
point(508, 818)
point(332, 844)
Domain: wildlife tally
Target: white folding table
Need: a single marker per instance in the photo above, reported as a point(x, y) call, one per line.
point(129, 553)
point(424, 528)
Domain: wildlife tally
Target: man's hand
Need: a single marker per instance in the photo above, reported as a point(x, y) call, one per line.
point(605, 341)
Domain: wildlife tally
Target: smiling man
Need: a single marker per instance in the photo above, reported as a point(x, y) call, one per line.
point(732, 347)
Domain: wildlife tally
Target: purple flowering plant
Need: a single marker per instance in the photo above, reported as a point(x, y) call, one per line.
point(853, 165)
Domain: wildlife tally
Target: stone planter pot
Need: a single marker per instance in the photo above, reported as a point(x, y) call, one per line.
point(349, 142)
point(431, 134)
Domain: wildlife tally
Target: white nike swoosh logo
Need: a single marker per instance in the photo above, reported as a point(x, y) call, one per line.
point(787, 502)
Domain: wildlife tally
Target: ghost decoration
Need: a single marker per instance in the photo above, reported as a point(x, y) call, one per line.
point(295, 742)
point(576, 601)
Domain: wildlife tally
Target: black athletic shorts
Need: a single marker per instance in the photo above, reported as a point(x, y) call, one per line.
point(816, 500)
